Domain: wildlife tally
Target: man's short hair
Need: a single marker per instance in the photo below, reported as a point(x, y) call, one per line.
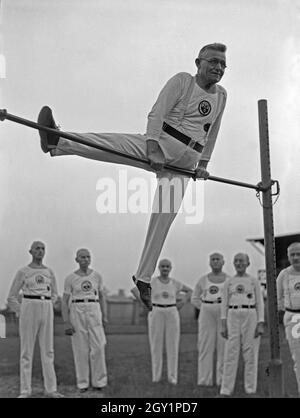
point(216, 46)
point(164, 260)
point(82, 249)
point(292, 245)
point(216, 255)
point(244, 255)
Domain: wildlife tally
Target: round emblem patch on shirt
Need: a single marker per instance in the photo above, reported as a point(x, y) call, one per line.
point(86, 286)
point(240, 288)
point(213, 290)
point(204, 108)
point(39, 279)
point(297, 286)
point(165, 295)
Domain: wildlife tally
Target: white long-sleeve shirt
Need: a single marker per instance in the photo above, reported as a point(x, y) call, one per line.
point(203, 108)
point(242, 290)
point(34, 282)
point(288, 289)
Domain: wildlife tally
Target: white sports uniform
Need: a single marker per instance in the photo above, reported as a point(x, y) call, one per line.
point(288, 294)
point(242, 306)
point(207, 297)
point(164, 324)
point(186, 107)
point(36, 318)
point(88, 341)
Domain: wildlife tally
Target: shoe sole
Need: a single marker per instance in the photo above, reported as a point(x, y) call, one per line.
point(145, 301)
point(45, 118)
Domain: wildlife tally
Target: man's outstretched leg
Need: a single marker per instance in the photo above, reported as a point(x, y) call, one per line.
point(167, 199)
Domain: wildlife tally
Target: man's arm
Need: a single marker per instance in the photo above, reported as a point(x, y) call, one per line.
point(214, 130)
point(12, 300)
point(224, 310)
point(155, 155)
point(65, 310)
point(54, 292)
point(102, 299)
point(201, 172)
point(65, 307)
point(280, 290)
point(103, 306)
point(196, 295)
point(167, 99)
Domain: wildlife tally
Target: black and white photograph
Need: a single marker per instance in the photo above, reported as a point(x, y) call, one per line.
point(150, 182)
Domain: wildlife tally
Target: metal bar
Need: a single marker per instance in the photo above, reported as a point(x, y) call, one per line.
point(188, 173)
point(276, 388)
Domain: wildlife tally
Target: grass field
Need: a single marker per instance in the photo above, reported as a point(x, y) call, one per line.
point(129, 369)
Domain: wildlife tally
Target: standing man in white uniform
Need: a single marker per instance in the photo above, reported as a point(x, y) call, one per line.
point(164, 321)
point(182, 130)
point(84, 312)
point(38, 284)
point(242, 317)
point(288, 294)
point(207, 297)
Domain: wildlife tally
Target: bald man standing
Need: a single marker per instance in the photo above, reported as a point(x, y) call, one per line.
point(207, 297)
point(164, 321)
point(39, 288)
point(242, 316)
point(84, 312)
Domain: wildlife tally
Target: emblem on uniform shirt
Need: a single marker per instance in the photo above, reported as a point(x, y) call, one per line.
point(240, 288)
point(86, 286)
point(204, 108)
point(165, 295)
point(39, 279)
point(213, 290)
point(297, 286)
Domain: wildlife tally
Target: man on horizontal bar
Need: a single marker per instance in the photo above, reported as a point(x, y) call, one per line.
point(181, 131)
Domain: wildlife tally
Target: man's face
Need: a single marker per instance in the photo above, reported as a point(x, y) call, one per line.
point(294, 256)
point(216, 261)
point(165, 268)
point(240, 263)
point(211, 66)
point(83, 258)
point(37, 250)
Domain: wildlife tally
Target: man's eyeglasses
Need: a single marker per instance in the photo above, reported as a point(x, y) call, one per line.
point(214, 62)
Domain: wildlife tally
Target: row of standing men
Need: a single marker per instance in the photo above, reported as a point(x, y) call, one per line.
point(231, 317)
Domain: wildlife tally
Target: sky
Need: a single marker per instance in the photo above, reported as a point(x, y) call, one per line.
point(100, 66)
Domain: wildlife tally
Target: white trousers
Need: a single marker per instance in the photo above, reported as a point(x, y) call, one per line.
point(294, 343)
point(241, 328)
point(175, 153)
point(88, 343)
point(164, 325)
point(36, 319)
point(210, 341)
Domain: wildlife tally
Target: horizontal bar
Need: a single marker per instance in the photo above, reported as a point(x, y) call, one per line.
point(188, 173)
